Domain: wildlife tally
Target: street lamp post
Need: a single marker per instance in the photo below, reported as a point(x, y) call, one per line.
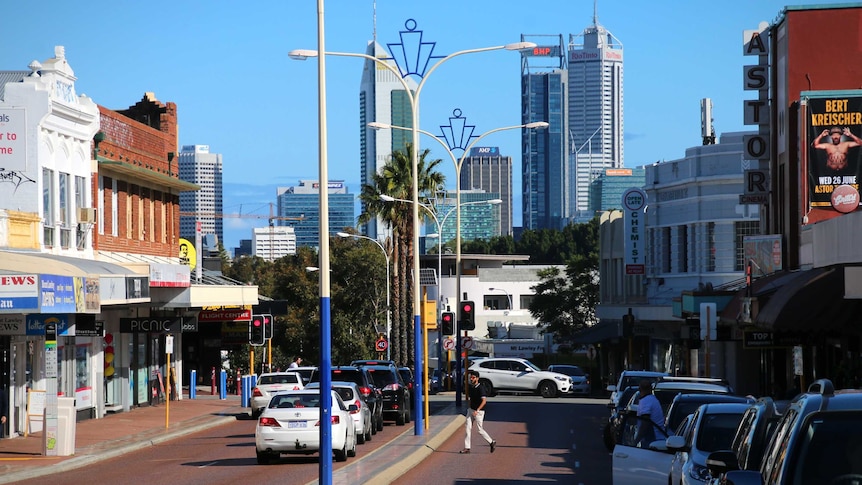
point(508, 295)
point(439, 234)
point(426, 50)
point(388, 311)
point(459, 162)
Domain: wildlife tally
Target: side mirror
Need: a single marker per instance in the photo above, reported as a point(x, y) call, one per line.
point(675, 443)
point(611, 388)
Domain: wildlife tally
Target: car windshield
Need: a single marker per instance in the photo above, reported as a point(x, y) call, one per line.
point(383, 377)
point(278, 379)
point(635, 380)
point(282, 401)
point(831, 446)
point(716, 431)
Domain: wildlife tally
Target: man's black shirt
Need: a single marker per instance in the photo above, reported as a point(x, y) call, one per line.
point(476, 393)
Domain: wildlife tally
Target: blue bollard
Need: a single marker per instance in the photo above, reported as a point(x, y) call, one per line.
point(246, 397)
point(193, 384)
point(222, 394)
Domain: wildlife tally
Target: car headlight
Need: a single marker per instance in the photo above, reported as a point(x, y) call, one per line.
point(560, 378)
point(699, 473)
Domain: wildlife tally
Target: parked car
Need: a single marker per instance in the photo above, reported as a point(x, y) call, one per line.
point(817, 440)
point(268, 384)
point(373, 362)
point(757, 426)
point(667, 388)
point(435, 381)
point(407, 377)
point(512, 374)
point(372, 394)
point(396, 395)
point(616, 422)
point(627, 379)
point(685, 404)
point(713, 427)
point(350, 394)
point(306, 371)
point(580, 379)
point(290, 424)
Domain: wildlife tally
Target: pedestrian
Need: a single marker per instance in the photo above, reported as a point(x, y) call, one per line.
point(650, 415)
point(476, 412)
point(4, 411)
point(296, 363)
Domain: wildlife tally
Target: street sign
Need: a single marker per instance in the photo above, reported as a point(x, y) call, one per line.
point(466, 343)
point(381, 345)
point(448, 343)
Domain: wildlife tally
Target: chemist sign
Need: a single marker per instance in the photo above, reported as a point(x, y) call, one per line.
point(634, 201)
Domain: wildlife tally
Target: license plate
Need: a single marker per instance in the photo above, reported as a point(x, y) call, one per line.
point(296, 424)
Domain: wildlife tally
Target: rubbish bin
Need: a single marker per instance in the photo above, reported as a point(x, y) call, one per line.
point(66, 425)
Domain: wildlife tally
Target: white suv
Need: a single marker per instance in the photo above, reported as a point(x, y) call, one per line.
point(520, 375)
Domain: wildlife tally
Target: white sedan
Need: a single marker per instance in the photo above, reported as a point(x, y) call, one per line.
point(350, 394)
point(270, 383)
point(290, 424)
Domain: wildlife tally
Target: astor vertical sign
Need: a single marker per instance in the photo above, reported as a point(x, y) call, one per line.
point(634, 201)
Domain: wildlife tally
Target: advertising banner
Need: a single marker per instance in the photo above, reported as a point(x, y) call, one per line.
point(764, 252)
point(834, 127)
point(634, 202)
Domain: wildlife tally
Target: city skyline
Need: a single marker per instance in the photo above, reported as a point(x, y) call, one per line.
point(236, 90)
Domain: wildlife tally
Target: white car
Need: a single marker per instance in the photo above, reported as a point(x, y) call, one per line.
point(629, 378)
point(712, 429)
point(269, 384)
point(633, 465)
point(350, 394)
point(580, 379)
point(520, 375)
point(290, 424)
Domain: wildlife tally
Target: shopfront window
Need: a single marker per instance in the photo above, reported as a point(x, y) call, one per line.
point(83, 389)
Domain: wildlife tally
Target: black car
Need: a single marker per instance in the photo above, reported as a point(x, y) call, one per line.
point(396, 394)
point(371, 393)
point(407, 377)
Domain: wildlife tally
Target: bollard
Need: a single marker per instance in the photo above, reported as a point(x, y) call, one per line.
point(238, 381)
point(193, 384)
point(222, 385)
point(213, 381)
point(246, 398)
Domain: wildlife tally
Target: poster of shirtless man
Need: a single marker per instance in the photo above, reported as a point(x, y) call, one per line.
point(834, 154)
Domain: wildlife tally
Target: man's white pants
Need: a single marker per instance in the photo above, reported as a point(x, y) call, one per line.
point(479, 419)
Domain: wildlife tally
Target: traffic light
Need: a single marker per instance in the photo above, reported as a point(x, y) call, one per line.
point(255, 330)
point(447, 320)
point(268, 325)
point(467, 317)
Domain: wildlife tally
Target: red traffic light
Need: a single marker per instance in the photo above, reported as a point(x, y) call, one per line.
point(257, 322)
point(447, 317)
point(467, 307)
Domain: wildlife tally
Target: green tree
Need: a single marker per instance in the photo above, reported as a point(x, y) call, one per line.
point(395, 179)
point(565, 303)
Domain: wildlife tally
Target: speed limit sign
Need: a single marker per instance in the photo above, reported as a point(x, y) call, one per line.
point(381, 345)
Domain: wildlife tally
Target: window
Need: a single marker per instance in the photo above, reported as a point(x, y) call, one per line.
point(710, 239)
point(665, 250)
point(48, 207)
point(742, 229)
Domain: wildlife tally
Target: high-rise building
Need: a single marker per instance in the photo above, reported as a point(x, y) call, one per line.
point(273, 242)
point(595, 109)
point(485, 168)
point(544, 96)
point(200, 167)
point(606, 191)
point(382, 98)
point(478, 220)
point(300, 205)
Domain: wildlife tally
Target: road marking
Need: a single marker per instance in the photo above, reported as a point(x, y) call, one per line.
point(208, 464)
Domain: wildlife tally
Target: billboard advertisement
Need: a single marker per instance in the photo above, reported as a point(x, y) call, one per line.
point(634, 202)
point(764, 253)
point(834, 125)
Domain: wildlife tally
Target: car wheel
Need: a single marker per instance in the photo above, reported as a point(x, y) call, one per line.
point(256, 413)
point(380, 422)
point(488, 387)
point(368, 433)
point(407, 416)
point(547, 389)
point(399, 419)
point(360, 438)
point(341, 455)
point(263, 457)
point(352, 450)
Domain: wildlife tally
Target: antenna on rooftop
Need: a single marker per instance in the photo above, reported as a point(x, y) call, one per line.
point(706, 129)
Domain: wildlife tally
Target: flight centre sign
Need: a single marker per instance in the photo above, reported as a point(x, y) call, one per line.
point(834, 128)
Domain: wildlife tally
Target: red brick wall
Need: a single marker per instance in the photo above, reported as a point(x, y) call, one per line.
point(148, 213)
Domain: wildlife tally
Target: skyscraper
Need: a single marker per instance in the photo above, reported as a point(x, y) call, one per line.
point(544, 97)
point(301, 203)
point(595, 109)
point(486, 169)
point(382, 99)
point(198, 166)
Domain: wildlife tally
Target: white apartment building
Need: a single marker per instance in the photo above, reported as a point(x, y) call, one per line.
point(273, 242)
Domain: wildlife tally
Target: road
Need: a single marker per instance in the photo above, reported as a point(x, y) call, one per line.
point(538, 440)
point(541, 440)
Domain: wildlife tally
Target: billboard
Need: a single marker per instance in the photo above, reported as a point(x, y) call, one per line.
point(834, 128)
point(764, 253)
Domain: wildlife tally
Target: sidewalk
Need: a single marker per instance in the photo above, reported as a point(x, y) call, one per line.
point(116, 434)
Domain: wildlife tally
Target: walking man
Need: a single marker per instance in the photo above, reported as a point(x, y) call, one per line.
point(296, 363)
point(476, 412)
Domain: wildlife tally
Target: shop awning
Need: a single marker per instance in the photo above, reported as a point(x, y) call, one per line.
point(604, 330)
point(762, 289)
point(813, 302)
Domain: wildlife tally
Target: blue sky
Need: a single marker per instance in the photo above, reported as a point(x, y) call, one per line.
point(225, 64)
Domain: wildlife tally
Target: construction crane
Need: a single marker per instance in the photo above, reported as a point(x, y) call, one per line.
point(271, 218)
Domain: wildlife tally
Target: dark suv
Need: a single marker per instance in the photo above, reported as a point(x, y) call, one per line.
point(396, 395)
point(817, 440)
point(371, 393)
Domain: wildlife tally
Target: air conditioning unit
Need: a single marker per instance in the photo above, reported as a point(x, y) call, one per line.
point(86, 215)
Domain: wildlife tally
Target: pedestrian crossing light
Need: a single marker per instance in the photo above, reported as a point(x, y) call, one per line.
point(467, 317)
point(447, 320)
point(256, 330)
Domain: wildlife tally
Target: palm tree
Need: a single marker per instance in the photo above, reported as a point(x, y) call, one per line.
point(394, 179)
